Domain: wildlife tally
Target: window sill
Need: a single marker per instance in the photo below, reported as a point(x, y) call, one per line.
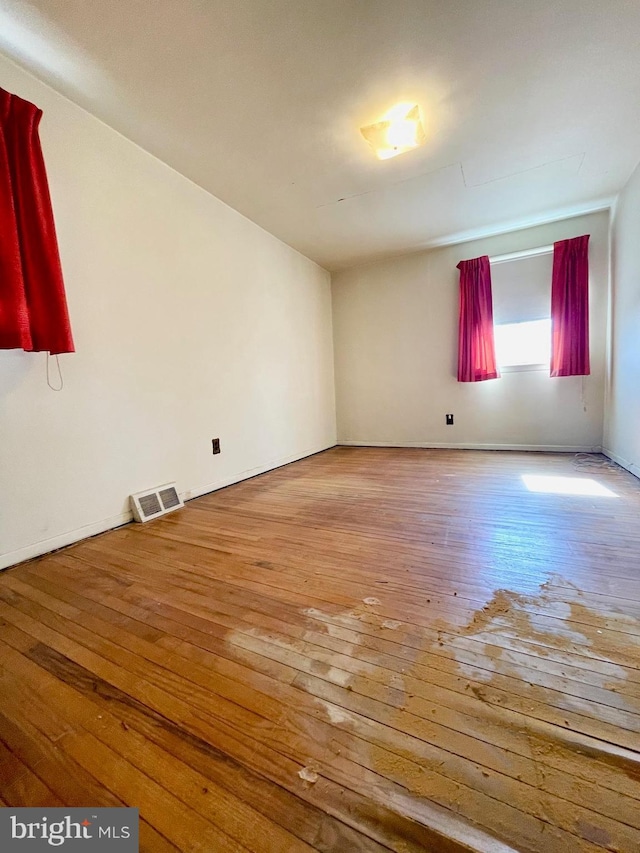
point(520, 368)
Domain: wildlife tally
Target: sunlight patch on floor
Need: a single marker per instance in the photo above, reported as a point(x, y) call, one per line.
point(566, 486)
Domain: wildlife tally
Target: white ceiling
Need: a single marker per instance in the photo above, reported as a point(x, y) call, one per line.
point(531, 107)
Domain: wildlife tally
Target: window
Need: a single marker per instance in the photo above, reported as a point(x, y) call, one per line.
point(523, 344)
point(521, 311)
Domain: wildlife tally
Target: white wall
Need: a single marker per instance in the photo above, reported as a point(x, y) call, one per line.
point(395, 339)
point(190, 323)
point(622, 429)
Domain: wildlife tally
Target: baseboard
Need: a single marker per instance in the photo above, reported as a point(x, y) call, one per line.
point(62, 540)
point(56, 542)
point(623, 463)
point(251, 472)
point(436, 445)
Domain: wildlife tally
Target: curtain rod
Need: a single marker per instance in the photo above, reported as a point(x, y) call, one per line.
point(527, 253)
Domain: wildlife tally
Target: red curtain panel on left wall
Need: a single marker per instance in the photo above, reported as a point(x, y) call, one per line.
point(33, 304)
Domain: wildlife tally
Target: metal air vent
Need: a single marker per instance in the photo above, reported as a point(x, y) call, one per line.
point(155, 502)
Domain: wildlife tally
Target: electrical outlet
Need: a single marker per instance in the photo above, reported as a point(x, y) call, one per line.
point(215, 442)
point(449, 420)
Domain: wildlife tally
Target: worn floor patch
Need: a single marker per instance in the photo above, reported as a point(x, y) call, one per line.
point(523, 721)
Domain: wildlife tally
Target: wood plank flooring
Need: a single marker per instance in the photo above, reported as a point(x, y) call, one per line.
point(451, 661)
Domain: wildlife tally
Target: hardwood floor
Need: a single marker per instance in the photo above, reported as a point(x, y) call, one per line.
point(367, 650)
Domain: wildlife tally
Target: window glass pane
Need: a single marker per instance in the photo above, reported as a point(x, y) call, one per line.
point(523, 343)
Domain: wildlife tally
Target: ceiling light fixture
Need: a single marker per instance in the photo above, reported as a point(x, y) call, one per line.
point(399, 130)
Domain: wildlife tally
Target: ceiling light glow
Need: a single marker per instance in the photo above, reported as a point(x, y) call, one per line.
point(399, 130)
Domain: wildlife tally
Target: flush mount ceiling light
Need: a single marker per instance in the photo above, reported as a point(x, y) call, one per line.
point(399, 130)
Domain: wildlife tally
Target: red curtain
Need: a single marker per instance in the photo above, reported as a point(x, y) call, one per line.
point(33, 306)
point(570, 308)
point(476, 349)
